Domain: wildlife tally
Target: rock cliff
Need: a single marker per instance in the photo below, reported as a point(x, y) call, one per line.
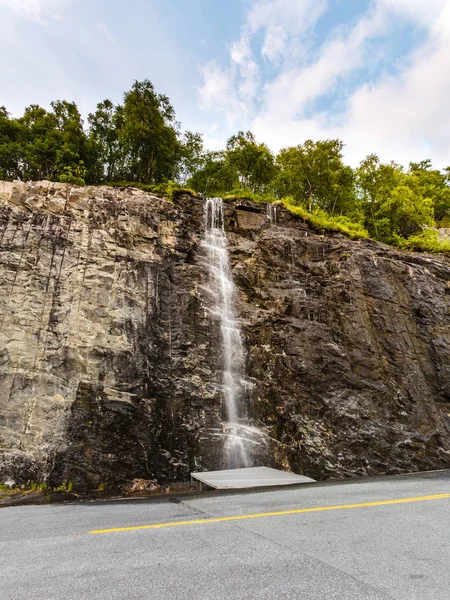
point(110, 357)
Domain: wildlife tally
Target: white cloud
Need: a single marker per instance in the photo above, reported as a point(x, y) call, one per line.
point(41, 11)
point(38, 10)
point(274, 42)
point(231, 89)
point(245, 70)
point(103, 29)
point(421, 11)
point(218, 92)
point(408, 117)
point(234, 89)
point(282, 19)
point(293, 90)
point(402, 117)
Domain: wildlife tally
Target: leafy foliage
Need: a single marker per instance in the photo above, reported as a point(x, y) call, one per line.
point(322, 221)
point(315, 176)
point(426, 241)
point(245, 164)
point(42, 144)
point(139, 142)
point(105, 149)
point(10, 145)
point(214, 177)
point(252, 165)
point(191, 154)
point(148, 135)
point(432, 184)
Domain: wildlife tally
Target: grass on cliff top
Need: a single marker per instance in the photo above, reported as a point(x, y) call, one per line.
point(322, 221)
point(318, 219)
point(426, 241)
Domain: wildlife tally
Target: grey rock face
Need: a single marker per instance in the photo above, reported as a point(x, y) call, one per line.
point(110, 357)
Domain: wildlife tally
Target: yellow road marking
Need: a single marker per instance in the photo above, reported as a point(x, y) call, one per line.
point(272, 514)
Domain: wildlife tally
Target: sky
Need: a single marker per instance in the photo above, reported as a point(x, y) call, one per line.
point(373, 73)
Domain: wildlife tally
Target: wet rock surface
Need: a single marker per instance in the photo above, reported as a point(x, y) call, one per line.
point(110, 354)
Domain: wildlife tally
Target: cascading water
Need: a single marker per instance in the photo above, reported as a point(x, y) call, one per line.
point(272, 213)
point(223, 292)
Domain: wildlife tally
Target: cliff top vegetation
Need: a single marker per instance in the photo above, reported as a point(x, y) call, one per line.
point(139, 142)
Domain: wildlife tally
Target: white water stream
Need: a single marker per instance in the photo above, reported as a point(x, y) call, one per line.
point(223, 292)
point(272, 213)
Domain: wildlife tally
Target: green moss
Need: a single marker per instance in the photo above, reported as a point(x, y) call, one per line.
point(66, 486)
point(34, 486)
point(445, 223)
point(426, 241)
point(317, 219)
point(39, 486)
point(321, 221)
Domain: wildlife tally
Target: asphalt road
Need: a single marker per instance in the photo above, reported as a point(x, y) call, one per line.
point(378, 551)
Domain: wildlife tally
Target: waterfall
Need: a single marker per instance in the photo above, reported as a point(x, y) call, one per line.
point(272, 213)
point(223, 294)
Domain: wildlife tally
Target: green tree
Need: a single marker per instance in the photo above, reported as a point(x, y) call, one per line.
point(252, 164)
point(403, 213)
point(41, 140)
point(314, 174)
point(10, 146)
point(431, 183)
point(375, 182)
point(191, 155)
point(71, 154)
point(74, 174)
point(214, 177)
point(51, 142)
point(106, 155)
point(149, 135)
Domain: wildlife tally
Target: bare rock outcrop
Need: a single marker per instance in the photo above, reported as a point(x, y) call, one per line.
point(110, 356)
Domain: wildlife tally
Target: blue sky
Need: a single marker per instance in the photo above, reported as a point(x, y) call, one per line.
point(375, 73)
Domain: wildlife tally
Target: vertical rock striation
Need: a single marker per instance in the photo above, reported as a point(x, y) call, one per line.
point(110, 355)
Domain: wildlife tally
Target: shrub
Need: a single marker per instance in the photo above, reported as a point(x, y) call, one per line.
point(321, 221)
point(426, 241)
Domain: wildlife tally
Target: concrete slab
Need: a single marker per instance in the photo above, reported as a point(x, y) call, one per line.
point(249, 478)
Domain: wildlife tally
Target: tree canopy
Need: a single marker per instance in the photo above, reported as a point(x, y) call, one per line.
point(140, 141)
point(314, 174)
point(136, 141)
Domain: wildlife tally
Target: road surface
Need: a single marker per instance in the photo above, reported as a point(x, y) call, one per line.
point(384, 538)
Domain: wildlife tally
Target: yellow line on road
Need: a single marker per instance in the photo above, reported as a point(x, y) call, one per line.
point(273, 514)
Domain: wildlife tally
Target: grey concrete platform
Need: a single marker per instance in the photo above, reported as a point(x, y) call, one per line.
point(249, 478)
